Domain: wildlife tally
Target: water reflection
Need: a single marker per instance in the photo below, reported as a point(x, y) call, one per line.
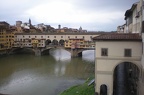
point(88, 55)
point(60, 54)
point(43, 75)
point(62, 57)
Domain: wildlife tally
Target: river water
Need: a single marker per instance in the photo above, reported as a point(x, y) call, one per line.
point(24, 74)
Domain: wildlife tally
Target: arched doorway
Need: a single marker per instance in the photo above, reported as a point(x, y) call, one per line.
point(103, 89)
point(55, 42)
point(61, 42)
point(47, 42)
point(126, 76)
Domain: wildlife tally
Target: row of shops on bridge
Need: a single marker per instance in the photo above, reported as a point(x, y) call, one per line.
point(41, 43)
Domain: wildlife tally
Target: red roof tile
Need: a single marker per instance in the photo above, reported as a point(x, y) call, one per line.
point(119, 36)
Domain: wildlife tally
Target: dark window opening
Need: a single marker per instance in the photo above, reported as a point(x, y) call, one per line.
point(127, 52)
point(104, 52)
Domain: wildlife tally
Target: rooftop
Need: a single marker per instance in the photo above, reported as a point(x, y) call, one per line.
point(119, 37)
point(65, 33)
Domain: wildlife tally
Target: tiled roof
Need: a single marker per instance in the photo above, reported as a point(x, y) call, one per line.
point(65, 33)
point(119, 36)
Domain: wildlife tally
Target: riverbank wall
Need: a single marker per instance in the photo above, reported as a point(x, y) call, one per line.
point(17, 51)
point(3, 53)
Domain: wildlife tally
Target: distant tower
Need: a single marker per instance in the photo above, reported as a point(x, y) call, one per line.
point(80, 29)
point(30, 21)
point(59, 26)
point(18, 23)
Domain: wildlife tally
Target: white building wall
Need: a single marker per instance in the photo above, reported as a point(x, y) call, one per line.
point(143, 51)
point(104, 66)
point(116, 49)
point(136, 19)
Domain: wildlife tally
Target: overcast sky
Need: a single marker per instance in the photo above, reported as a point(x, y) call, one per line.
point(95, 15)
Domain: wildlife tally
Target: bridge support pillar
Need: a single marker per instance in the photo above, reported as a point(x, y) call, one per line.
point(80, 54)
point(37, 52)
point(75, 53)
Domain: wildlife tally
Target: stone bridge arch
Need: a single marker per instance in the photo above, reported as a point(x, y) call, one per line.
point(75, 52)
point(25, 50)
point(45, 51)
point(55, 42)
point(105, 71)
point(80, 51)
point(48, 41)
point(136, 63)
point(61, 42)
point(126, 77)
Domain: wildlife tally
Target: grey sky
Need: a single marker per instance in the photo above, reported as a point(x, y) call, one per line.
point(98, 15)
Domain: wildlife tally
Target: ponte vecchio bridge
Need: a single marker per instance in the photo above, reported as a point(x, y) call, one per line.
point(41, 43)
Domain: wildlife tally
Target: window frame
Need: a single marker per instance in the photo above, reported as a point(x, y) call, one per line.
point(127, 52)
point(104, 51)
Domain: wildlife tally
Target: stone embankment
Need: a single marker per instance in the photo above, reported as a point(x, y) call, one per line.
point(3, 53)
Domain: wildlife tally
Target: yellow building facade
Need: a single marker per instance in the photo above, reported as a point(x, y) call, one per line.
point(6, 39)
point(78, 43)
point(3, 40)
point(35, 42)
point(74, 43)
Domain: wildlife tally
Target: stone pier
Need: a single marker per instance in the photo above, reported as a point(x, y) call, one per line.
point(37, 52)
point(76, 53)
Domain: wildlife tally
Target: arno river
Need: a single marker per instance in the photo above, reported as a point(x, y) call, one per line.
point(24, 74)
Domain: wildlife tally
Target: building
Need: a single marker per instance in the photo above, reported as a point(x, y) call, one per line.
point(142, 28)
point(119, 65)
point(18, 26)
point(78, 43)
point(28, 40)
point(6, 39)
point(4, 24)
point(74, 43)
point(3, 40)
point(121, 29)
point(112, 52)
point(25, 39)
point(133, 19)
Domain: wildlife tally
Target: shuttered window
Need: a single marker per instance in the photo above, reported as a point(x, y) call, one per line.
point(127, 52)
point(104, 51)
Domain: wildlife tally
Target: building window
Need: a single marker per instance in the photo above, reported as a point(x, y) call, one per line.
point(29, 36)
point(41, 36)
point(61, 36)
point(127, 52)
point(23, 36)
point(75, 36)
point(48, 36)
point(83, 37)
point(104, 52)
point(68, 36)
point(35, 36)
point(54, 36)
